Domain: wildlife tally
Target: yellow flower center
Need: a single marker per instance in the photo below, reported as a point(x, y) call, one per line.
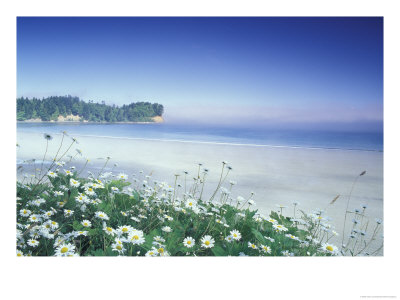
point(101, 216)
point(25, 211)
point(19, 254)
point(329, 248)
point(190, 203)
point(109, 229)
point(235, 235)
point(64, 249)
point(47, 226)
point(119, 247)
point(124, 229)
point(207, 243)
point(135, 237)
point(189, 242)
point(33, 218)
point(85, 224)
point(54, 223)
point(160, 250)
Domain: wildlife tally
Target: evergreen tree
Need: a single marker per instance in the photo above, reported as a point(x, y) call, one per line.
point(52, 107)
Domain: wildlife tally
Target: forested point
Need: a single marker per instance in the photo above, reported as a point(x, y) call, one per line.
point(51, 108)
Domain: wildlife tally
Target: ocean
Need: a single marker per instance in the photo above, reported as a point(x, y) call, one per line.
point(302, 138)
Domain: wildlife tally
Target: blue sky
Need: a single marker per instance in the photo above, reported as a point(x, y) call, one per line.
point(227, 70)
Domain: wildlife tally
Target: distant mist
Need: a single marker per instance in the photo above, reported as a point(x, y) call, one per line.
point(334, 118)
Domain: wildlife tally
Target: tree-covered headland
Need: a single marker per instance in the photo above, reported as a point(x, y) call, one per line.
point(50, 108)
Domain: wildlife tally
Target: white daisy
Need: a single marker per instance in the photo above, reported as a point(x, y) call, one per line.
point(81, 198)
point(135, 219)
point(229, 239)
point(166, 229)
point(124, 229)
point(136, 237)
point(236, 235)
point(287, 253)
point(189, 242)
point(89, 191)
point(329, 248)
point(86, 223)
point(122, 176)
point(68, 212)
point(34, 218)
point(74, 183)
point(190, 203)
point(265, 249)
point(78, 233)
point(279, 227)
point(53, 225)
point(152, 252)
point(65, 250)
point(108, 230)
point(161, 251)
point(118, 247)
point(290, 236)
point(33, 243)
point(159, 239)
point(52, 174)
point(101, 215)
point(25, 212)
point(48, 214)
point(168, 218)
point(207, 241)
point(68, 173)
point(252, 246)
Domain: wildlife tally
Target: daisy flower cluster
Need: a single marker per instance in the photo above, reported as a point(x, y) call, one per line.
point(105, 214)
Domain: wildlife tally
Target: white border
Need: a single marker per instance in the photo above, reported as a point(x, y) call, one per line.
point(205, 278)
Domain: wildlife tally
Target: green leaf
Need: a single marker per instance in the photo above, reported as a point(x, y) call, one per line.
point(218, 251)
point(258, 235)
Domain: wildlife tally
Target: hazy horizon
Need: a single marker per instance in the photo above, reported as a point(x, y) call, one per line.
point(275, 72)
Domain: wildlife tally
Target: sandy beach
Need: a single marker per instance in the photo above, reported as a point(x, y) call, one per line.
point(277, 175)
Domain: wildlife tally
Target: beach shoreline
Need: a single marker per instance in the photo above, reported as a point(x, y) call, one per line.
point(312, 177)
point(33, 121)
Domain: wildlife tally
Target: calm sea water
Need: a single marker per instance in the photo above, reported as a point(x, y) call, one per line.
point(372, 141)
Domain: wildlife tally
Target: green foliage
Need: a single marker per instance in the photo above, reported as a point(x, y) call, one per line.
point(164, 223)
point(50, 108)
